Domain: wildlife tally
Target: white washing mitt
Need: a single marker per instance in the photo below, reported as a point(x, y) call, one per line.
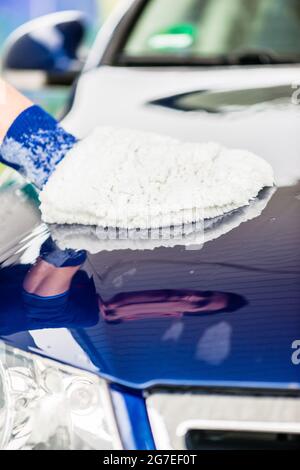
point(95, 239)
point(132, 179)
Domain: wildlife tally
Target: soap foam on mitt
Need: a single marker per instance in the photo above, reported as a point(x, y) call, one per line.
point(133, 179)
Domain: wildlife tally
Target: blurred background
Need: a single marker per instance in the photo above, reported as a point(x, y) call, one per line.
point(14, 13)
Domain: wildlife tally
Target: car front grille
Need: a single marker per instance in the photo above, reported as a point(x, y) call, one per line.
point(197, 421)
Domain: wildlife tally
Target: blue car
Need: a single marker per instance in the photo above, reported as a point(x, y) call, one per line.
point(161, 345)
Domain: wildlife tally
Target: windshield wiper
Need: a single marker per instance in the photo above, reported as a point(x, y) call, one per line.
point(259, 57)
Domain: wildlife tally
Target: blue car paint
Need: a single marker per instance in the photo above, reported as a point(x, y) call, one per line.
point(251, 347)
point(132, 418)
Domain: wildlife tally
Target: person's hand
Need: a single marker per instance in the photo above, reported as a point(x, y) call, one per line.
point(33, 142)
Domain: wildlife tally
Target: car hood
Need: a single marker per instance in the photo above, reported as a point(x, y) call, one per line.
point(256, 257)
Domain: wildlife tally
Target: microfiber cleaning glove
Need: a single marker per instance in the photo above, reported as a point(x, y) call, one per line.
point(34, 145)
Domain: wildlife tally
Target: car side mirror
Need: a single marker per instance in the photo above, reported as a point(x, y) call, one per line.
point(49, 44)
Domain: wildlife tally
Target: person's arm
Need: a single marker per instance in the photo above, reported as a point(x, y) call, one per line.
point(46, 280)
point(55, 294)
point(32, 141)
point(12, 104)
point(54, 270)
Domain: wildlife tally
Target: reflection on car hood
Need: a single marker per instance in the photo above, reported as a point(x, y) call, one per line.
point(257, 259)
point(193, 236)
point(252, 346)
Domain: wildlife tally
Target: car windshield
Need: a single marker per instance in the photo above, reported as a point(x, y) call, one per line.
point(214, 32)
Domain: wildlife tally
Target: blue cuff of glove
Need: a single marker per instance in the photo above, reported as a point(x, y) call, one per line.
point(35, 144)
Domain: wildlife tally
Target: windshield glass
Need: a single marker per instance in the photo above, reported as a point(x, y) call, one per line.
point(263, 31)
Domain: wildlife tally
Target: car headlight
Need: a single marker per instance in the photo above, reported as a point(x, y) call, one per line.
point(46, 405)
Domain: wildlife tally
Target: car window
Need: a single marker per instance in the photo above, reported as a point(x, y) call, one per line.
point(208, 29)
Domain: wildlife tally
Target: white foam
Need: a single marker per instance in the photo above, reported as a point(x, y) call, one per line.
point(130, 179)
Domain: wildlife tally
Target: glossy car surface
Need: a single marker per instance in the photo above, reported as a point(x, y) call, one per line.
point(256, 257)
